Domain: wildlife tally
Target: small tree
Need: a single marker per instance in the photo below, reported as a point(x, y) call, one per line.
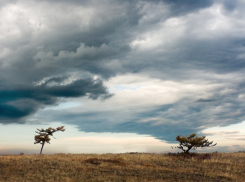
point(43, 135)
point(192, 142)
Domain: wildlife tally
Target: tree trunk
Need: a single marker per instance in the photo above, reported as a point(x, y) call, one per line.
point(187, 151)
point(42, 148)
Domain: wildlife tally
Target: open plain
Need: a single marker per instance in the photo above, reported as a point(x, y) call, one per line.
point(128, 167)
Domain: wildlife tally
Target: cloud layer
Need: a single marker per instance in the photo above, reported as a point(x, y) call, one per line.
point(172, 66)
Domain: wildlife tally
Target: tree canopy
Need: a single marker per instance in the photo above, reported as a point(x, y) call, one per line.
point(186, 143)
point(43, 135)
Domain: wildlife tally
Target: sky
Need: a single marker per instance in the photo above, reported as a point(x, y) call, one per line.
point(121, 76)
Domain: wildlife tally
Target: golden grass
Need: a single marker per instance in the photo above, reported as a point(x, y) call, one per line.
point(123, 167)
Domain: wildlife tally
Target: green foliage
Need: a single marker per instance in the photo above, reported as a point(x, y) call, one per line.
point(43, 135)
point(186, 143)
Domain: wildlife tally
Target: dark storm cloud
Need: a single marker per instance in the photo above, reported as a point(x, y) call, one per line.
point(109, 24)
point(215, 56)
point(180, 7)
point(230, 5)
point(172, 120)
point(93, 122)
point(205, 100)
point(105, 37)
point(30, 53)
point(190, 4)
point(64, 48)
point(17, 103)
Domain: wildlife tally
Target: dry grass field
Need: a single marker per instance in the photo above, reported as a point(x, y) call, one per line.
point(127, 167)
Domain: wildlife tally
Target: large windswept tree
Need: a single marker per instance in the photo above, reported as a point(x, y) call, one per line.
point(186, 143)
point(43, 135)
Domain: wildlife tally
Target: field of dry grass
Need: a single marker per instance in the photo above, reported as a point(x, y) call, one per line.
point(123, 167)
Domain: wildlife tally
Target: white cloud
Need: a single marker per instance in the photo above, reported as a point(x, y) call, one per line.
point(137, 93)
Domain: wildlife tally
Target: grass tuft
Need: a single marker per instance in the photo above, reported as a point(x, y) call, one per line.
point(97, 161)
point(193, 156)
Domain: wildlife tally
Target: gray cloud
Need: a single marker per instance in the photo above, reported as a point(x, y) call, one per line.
point(3, 3)
point(230, 5)
point(179, 7)
point(104, 122)
point(19, 102)
point(164, 122)
point(230, 133)
point(205, 100)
